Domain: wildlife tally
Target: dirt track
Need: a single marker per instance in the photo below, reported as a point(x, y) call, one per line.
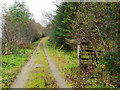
point(60, 81)
point(21, 79)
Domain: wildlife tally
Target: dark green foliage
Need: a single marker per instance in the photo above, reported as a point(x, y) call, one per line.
point(95, 23)
point(111, 61)
point(63, 19)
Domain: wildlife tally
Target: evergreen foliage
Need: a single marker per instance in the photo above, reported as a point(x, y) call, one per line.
point(63, 19)
point(95, 24)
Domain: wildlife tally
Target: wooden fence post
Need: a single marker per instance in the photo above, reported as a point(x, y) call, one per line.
point(79, 56)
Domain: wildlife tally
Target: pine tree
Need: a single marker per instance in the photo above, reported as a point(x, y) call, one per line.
point(63, 19)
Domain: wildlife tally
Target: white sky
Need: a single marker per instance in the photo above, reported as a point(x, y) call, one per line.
point(36, 7)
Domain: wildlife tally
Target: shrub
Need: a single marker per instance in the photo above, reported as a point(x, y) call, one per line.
point(111, 62)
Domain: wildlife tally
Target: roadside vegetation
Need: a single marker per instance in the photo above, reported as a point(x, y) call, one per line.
point(80, 76)
point(91, 25)
point(11, 64)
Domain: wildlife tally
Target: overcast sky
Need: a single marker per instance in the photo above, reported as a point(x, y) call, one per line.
point(36, 7)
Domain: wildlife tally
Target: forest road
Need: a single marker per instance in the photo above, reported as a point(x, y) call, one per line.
point(23, 76)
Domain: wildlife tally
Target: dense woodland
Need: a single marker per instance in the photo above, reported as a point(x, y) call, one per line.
point(90, 25)
point(19, 29)
point(97, 23)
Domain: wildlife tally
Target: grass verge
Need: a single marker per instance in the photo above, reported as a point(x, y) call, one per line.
point(11, 64)
point(65, 61)
point(79, 77)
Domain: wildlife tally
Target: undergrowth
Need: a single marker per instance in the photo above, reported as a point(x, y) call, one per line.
point(11, 64)
point(84, 76)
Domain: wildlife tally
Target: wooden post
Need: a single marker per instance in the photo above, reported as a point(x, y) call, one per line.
point(79, 56)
